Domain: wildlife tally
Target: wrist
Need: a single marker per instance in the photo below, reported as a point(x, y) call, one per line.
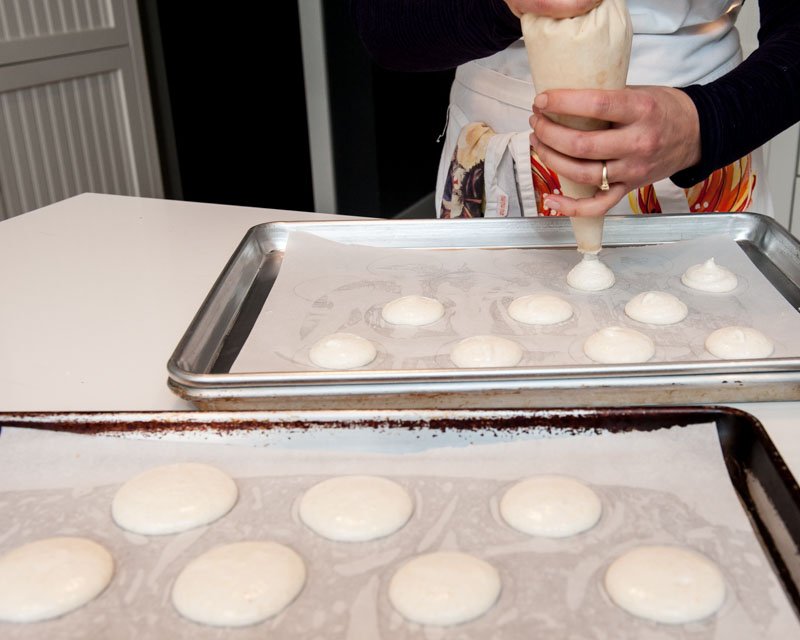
point(691, 130)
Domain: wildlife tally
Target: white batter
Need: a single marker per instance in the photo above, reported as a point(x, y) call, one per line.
point(668, 584)
point(486, 351)
point(619, 345)
point(656, 307)
point(540, 308)
point(239, 584)
point(48, 578)
point(412, 310)
point(709, 276)
point(356, 508)
point(551, 506)
point(444, 588)
point(733, 343)
point(342, 351)
point(590, 274)
point(173, 498)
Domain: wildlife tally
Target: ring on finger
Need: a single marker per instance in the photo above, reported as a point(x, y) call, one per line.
point(604, 178)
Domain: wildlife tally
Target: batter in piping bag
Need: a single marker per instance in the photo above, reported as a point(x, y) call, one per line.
point(591, 51)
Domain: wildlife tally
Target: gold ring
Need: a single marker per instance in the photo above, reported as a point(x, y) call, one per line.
point(604, 178)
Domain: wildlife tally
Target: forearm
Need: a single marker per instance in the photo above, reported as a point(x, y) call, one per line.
point(750, 105)
point(429, 35)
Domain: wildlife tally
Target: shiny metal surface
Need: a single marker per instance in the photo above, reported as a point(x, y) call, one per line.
point(199, 367)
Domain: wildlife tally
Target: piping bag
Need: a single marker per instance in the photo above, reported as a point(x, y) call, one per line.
point(591, 51)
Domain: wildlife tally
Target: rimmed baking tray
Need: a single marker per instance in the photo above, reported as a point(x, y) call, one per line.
point(768, 492)
point(199, 369)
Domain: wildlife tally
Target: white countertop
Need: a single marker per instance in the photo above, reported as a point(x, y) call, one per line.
point(97, 290)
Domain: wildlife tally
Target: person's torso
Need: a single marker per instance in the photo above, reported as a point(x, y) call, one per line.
point(675, 43)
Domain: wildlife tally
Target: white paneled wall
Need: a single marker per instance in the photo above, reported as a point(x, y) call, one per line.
point(75, 112)
point(24, 19)
point(66, 137)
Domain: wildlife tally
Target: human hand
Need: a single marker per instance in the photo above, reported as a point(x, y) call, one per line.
point(655, 132)
point(552, 8)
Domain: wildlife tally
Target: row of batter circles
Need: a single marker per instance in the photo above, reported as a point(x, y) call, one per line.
point(245, 583)
point(610, 345)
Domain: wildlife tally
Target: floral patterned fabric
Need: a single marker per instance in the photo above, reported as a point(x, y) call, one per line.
point(464, 189)
point(728, 189)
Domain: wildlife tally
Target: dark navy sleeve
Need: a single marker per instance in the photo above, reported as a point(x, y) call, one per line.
point(431, 35)
point(754, 102)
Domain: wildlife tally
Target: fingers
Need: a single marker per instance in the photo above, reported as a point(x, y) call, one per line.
point(555, 8)
point(597, 205)
point(621, 106)
point(591, 145)
point(654, 132)
point(577, 170)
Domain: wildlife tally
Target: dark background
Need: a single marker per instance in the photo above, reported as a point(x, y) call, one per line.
point(231, 114)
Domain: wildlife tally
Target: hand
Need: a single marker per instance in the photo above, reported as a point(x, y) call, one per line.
point(655, 132)
point(552, 8)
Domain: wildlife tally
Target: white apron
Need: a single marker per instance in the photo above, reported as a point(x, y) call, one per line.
point(675, 43)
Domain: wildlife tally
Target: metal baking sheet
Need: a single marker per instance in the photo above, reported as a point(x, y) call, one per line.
point(199, 369)
point(767, 492)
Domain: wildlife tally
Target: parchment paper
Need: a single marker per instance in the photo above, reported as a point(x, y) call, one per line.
point(664, 487)
point(324, 287)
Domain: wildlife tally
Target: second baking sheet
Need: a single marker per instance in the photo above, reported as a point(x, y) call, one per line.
point(324, 287)
point(668, 486)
